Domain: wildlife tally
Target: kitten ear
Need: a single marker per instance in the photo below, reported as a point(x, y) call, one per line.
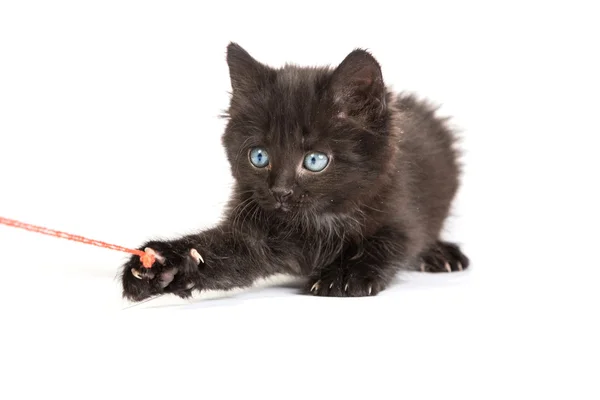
point(245, 72)
point(357, 85)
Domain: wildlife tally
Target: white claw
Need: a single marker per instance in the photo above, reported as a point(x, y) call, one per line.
point(346, 287)
point(190, 285)
point(447, 266)
point(158, 257)
point(315, 286)
point(460, 267)
point(370, 289)
point(330, 286)
point(136, 273)
point(196, 256)
point(422, 267)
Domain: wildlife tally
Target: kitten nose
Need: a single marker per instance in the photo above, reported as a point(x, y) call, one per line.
point(281, 194)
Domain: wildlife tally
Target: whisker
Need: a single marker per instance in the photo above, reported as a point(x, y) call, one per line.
point(142, 302)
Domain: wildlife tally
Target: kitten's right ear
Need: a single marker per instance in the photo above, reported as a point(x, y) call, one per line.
point(245, 72)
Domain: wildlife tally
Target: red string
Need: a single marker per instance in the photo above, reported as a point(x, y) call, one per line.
point(146, 258)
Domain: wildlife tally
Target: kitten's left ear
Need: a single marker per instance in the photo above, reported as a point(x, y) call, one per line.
point(357, 85)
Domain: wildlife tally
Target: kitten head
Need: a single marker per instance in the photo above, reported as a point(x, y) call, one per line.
point(302, 139)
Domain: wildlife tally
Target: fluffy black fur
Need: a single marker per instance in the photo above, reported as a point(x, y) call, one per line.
point(377, 208)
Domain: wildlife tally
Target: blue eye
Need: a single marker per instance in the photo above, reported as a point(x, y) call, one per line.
point(259, 157)
point(315, 161)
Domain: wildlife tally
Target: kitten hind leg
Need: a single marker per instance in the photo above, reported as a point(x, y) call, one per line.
point(443, 257)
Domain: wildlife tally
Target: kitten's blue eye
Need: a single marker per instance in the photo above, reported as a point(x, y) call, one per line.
point(315, 161)
point(259, 157)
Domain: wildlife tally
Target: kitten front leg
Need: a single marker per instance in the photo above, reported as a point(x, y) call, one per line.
point(363, 269)
point(217, 259)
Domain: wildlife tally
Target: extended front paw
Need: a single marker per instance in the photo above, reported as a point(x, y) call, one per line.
point(172, 272)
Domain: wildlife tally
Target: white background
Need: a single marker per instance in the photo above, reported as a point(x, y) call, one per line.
point(109, 129)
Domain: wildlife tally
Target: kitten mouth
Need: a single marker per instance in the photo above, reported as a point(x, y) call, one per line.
point(282, 207)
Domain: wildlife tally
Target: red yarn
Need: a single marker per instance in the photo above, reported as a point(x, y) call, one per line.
point(146, 258)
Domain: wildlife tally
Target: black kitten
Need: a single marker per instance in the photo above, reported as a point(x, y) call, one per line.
point(336, 179)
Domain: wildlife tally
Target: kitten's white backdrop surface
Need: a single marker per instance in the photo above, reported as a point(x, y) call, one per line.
point(109, 128)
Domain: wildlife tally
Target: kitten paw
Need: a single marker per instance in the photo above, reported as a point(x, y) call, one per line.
point(171, 273)
point(443, 257)
point(358, 287)
point(351, 286)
